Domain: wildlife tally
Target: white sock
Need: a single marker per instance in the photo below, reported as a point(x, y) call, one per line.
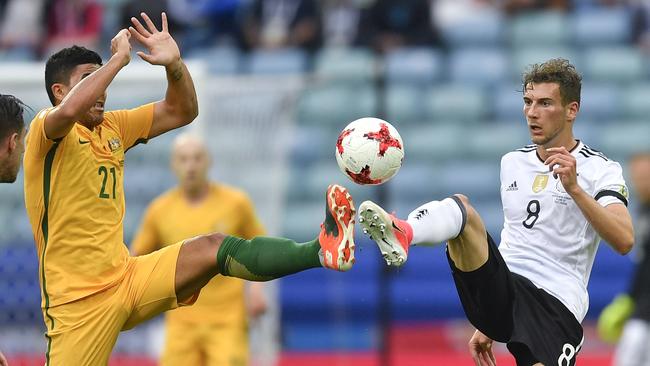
point(437, 221)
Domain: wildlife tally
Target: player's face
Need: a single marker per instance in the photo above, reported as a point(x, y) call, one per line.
point(549, 122)
point(10, 164)
point(190, 164)
point(95, 114)
point(640, 174)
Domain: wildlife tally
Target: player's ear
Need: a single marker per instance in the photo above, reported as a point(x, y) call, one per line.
point(59, 91)
point(13, 141)
point(572, 110)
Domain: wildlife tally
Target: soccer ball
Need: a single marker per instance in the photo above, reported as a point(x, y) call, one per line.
point(369, 151)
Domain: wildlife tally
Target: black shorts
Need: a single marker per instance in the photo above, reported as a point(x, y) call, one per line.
point(510, 309)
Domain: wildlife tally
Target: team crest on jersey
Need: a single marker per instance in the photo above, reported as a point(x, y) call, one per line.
point(114, 144)
point(540, 182)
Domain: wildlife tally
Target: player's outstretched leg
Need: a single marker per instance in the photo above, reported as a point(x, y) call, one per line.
point(266, 258)
point(452, 219)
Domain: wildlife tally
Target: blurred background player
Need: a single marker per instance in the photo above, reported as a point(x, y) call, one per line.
point(74, 194)
point(12, 137)
point(633, 348)
point(12, 146)
point(559, 198)
point(212, 332)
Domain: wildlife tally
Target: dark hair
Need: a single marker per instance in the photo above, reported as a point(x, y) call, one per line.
point(60, 65)
point(556, 70)
point(11, 115)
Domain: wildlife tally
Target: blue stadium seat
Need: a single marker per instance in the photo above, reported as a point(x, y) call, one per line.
point(337, 103)
point(459, 102)
point(433, 142)
point(287, 61)
point(481, 28)
point(540, 28)
point(404, 103)
point(219, 60)
point(600, 102)
point(614, 64)
point(508, 102)
point(415, 180)
point(473, 178)
point(602, 26)
point(526, 55)
point(619, 140)
point(635, 101)
point(347, 65)
point(414, 65)
point(477, 65)
point(490, 142)
point(312, 143)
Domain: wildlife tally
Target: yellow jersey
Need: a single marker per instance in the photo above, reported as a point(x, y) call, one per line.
point(170, 219)
point(75, 202)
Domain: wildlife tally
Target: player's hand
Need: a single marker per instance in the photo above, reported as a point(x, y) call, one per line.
point(257, 304)
point(563, 165)
point(3, 360)
point(121, 46)
point(480, 347)
point(162, 48)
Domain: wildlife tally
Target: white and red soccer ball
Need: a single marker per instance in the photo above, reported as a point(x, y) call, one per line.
point(369, 151)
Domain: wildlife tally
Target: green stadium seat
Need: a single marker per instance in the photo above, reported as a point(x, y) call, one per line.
point(404, 103)
point(348, 65)
point(337, 104)
point(414, 65)
point(635, 101)
point(525, 56)
point(459, 102)
point(602, 26)
point(614, 64)
point(542, 28)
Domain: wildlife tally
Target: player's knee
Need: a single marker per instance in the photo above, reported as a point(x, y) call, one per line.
point(211, 242)
point(472, 215)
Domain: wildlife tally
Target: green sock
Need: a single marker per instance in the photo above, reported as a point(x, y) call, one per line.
point(264, 258)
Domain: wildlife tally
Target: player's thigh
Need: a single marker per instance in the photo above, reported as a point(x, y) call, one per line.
point(85, 331)
point(197, 263)
point(469, 250)
point(182, 346)
point(226, 345)
point(151, 285)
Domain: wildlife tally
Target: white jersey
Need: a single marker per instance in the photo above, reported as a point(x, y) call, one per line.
point(545, 236)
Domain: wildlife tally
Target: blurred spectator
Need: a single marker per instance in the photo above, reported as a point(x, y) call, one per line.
point(517, 6)
point(72, 22)
point(206, 22)
point(282, 23)
point(20, 27)
point(341, 20)
point(447, 13)
point(390, 24)
point(641, 24)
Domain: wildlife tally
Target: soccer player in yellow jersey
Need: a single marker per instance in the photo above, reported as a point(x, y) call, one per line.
point(212, 332)
point(12, 136)
point(74, 160)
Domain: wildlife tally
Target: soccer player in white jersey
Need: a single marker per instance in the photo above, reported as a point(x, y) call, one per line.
point(560, 197)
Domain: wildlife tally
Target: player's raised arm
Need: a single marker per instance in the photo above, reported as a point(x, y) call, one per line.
point(73, 102)
point(612, 222)
point(180, 105)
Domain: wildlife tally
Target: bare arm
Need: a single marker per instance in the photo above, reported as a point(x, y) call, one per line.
point(613, 222)
point(85, 94)
point(180, 105)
